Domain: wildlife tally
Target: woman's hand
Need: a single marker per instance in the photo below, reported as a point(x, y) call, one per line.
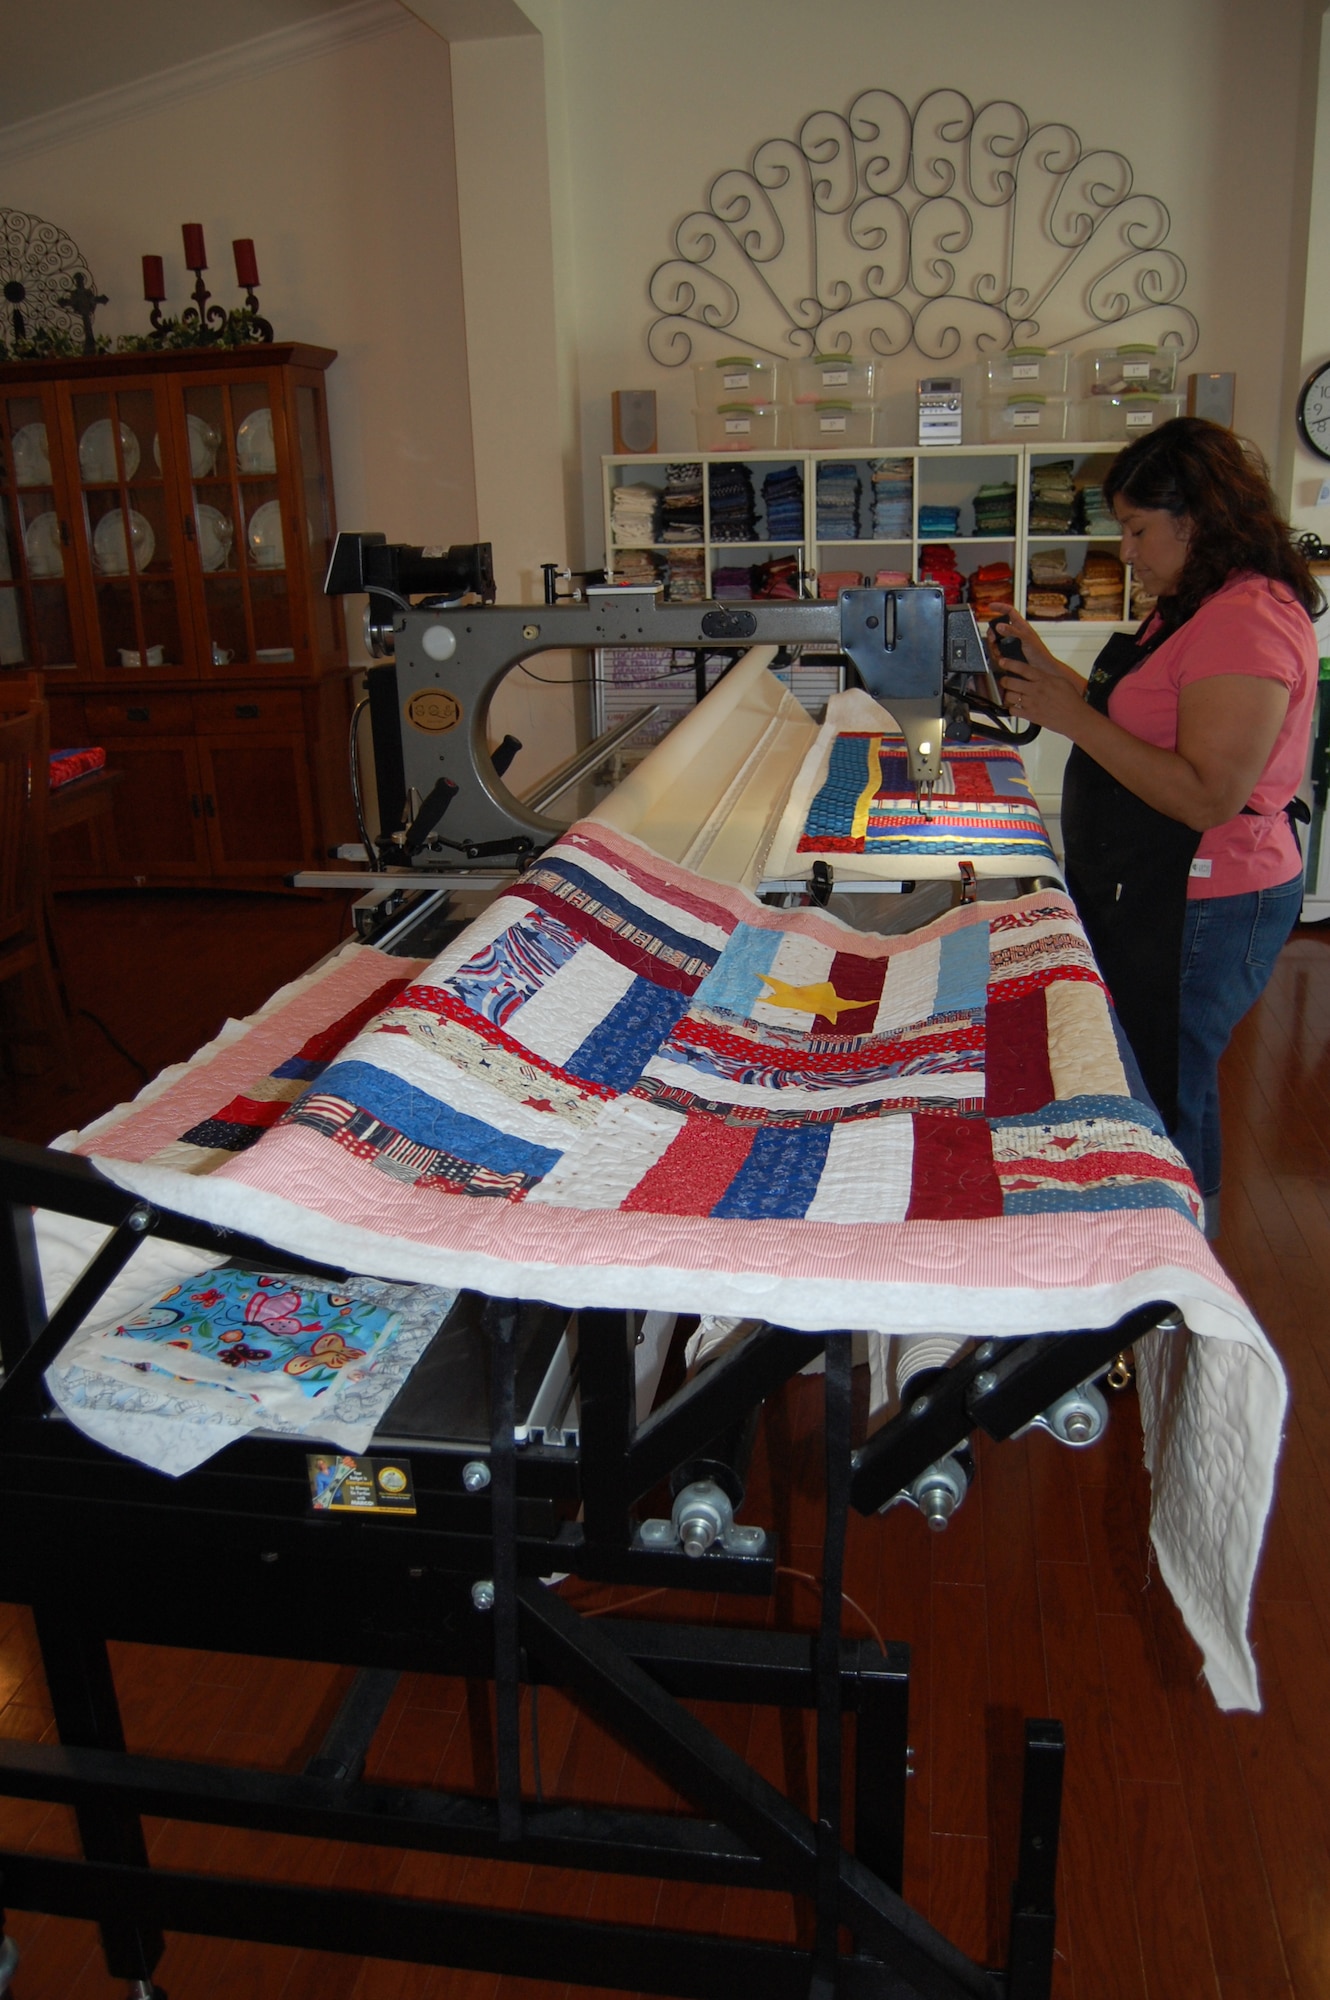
point(1040, 688)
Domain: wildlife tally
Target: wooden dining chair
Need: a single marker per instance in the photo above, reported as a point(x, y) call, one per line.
point(25, 950)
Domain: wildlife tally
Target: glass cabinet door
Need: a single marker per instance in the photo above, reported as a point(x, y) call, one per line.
point(235, 435)
point(131, 530)
point(36, 567)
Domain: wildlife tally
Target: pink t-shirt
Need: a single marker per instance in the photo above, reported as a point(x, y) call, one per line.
point(1251, 626)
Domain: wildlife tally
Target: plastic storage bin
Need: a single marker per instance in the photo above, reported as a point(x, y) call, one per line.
point(1025, 370)
point(1118, 419)
point(833, 425)
point(740, 427)
point(1026, 418)
point(834, 378)
point(1133, 367)
point(738, 378)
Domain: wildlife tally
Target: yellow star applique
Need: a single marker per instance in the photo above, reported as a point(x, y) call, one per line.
point(820, 999)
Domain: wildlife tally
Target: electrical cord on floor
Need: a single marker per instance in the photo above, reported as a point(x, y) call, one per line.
point(117, 1045)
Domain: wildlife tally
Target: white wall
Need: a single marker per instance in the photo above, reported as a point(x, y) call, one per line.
point(1200, 95)
point(1309, 471)
point(341, 169)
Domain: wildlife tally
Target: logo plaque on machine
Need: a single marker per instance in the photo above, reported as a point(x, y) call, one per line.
point(433, 710)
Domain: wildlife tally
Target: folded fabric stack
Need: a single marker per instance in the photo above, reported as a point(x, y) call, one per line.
point(230, 1351)
point(637, 567)
point(777, 578)
point(893, 579)
point(831, 582)
point(783, 498)
point(838, 491)
point(1051, 585)
point(1052, 498)
point(633, 515)
point(731, 583)
point(1100, 584)
point(683, 503)
point(733, 504)
point(893, 498)
point(937, 565)
point(686, 577)
point(939, 520)
point(995, 509)
point(992, 584)
point(1097, 517)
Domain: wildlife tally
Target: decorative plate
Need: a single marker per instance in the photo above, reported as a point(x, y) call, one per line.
point(108, 543)
point(255, 450)
point(41, 545)
point(204, 439)
point(216, 534)
point(267, 550)
point(32, 458)
point(97, 452)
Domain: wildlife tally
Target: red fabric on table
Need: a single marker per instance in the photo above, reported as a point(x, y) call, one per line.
point(953, 1177)
point(1017, 1076)
point(67, 764)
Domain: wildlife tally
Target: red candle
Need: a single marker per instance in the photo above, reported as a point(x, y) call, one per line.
point(154, 282)
point(247, 264)
point(195, 256)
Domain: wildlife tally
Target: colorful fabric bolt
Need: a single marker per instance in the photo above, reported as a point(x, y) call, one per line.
point(69, 764)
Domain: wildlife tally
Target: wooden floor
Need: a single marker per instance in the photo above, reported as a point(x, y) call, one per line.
point(1196, 1848)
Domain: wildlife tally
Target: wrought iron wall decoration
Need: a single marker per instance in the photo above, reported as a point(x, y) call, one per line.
point(950, 228)
point(46, 284)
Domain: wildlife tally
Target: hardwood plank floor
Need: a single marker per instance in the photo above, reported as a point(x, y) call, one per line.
point(1196, 1850)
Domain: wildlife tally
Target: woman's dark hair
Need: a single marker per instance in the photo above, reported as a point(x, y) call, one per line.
point(1200, 469)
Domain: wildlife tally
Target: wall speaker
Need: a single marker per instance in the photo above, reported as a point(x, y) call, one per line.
point(634, 419)
point(1211, 396)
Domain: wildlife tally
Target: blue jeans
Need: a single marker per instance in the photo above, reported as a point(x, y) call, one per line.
point(1229, 948)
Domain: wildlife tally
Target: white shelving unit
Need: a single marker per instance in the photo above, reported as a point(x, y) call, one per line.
point(941, 475)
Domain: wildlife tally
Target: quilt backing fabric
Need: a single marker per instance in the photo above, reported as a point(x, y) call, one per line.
point(982, 804)
point(627, 1085)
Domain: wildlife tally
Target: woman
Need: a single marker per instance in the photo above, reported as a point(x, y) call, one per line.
point(1189, 743)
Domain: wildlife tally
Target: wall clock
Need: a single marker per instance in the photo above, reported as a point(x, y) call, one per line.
point(1314, 411)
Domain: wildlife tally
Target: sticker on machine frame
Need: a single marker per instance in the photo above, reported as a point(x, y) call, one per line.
point(343, 1483)
point(434, 710)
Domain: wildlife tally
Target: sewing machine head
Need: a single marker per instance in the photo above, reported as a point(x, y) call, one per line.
point(450, 648)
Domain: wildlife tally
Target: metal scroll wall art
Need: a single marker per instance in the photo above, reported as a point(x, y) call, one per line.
point(953, 230)
point(48, 295)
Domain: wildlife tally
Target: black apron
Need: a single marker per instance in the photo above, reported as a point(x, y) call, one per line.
point(1127, 870)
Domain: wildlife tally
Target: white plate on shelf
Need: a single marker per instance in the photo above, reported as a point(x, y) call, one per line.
point(32, 458)
point(267, 550)
point(97, 452)
point(272, 655)
point(109, 552)
point(204, 440)
point(255, 450)
point(41, 545)
point(216, 534)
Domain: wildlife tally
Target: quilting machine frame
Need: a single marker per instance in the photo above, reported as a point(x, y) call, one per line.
point(232, 1557)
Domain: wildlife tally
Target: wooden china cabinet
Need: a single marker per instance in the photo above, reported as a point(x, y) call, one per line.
point(165, 525)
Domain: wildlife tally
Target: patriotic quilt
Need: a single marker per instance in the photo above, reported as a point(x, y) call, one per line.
point(982, 805)
point(626, 1085)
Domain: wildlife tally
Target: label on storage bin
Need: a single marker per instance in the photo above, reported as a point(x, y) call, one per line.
point(1140, 420)
point(835, 378)
point(826, 424)
point(1025, 371)
point(1025, 419)
point(737, 378)
point(1135, 371)
point(738, 426)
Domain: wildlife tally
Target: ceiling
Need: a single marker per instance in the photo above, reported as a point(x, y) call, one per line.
point(59, 51)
